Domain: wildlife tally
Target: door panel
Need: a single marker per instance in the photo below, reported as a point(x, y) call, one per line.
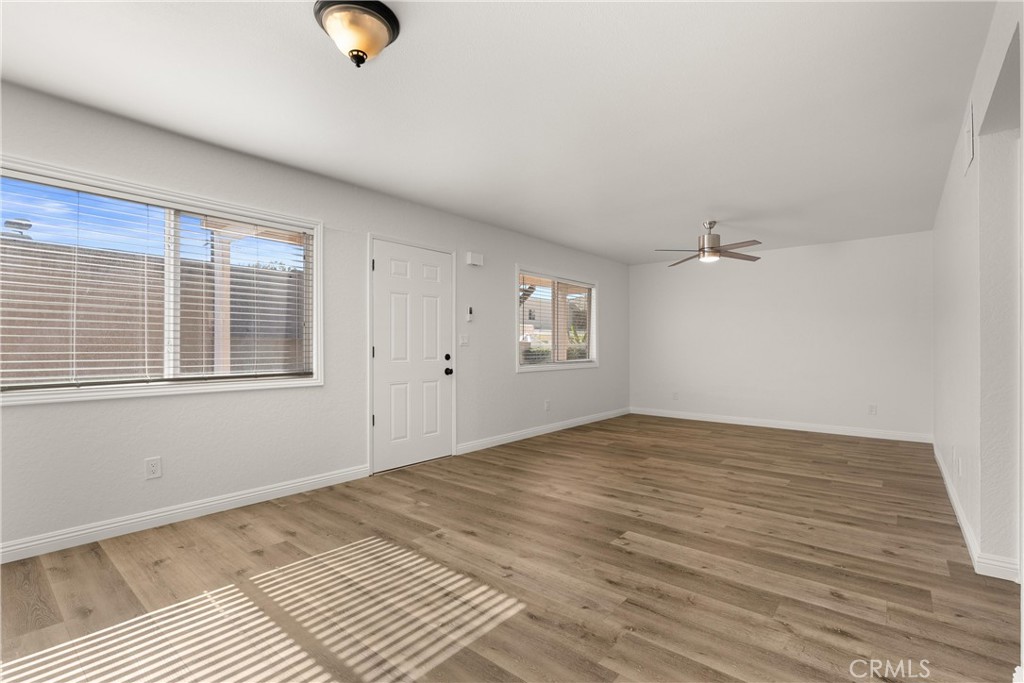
point(431, 327)
point(431, 399)
point(399, 413)
point(412, 332)
point(399, 331)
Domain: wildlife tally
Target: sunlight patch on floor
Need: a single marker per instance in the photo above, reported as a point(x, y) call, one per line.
point(218, 636)
point(383, 612)
point(387, 613)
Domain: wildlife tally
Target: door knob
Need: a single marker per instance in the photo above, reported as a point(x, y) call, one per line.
point(448, 371)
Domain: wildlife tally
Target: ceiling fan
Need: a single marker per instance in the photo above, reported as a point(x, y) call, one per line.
point(709, 248)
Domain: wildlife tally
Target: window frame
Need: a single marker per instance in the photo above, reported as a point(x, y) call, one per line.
point(556, 365)
point(22, 169)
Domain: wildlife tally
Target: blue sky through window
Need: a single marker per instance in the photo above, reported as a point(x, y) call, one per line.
point(63, 216)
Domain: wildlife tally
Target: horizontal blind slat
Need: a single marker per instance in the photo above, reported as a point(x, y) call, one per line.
point(86, 291)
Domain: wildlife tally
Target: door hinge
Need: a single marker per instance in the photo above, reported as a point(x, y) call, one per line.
point(373, 420)
point(373, 264)
point(373, 352)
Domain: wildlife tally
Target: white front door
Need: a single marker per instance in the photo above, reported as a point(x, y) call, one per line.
point(412, 355)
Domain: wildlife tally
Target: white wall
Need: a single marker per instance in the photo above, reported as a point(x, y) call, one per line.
point(999, 199)
point(957, 334)
point(805, 338)
point(73, 471)
point(977, 328)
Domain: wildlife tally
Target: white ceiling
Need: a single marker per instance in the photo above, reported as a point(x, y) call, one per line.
point(611, 127)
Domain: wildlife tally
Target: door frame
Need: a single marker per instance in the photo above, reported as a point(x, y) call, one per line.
point(372, 238)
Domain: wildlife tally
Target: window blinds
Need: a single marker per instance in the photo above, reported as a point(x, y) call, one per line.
point(572, 322)
point(100, 290)
point(554, 320)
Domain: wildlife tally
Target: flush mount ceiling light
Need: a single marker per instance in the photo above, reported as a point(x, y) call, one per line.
point(359, 29)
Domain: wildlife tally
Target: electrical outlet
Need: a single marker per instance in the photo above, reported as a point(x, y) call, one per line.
point(675, 395)
point(547, 404)
point(154, 468)
point(872, 409)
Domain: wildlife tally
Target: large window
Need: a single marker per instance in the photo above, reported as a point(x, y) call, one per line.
point(555, 322)
point(101, 290)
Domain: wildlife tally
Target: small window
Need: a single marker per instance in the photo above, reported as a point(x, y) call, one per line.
point(101, 290)
point(555, 322)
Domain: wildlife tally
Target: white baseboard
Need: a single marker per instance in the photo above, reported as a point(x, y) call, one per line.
point(987, 564)
point(97, 531)
point(970, 539)
point(782, 424)
point(501, 439)
point(997, 566)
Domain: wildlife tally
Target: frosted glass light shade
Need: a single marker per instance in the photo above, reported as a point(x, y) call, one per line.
point(708, 257)
point(359, 29)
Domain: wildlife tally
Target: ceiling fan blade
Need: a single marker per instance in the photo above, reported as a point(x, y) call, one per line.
point(737, 255)
point(688, 258)
point(693, 250)
point(740, 245)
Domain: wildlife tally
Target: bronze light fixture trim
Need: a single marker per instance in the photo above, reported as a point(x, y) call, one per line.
point(359, 29)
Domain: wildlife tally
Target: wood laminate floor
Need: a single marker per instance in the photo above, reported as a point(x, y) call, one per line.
point(634, 549)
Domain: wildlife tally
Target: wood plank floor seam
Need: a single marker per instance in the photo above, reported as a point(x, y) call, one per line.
point(638, 548)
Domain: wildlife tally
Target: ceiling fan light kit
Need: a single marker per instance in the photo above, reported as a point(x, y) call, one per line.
point(710, 248)
point(359, 29)
point(709, 245)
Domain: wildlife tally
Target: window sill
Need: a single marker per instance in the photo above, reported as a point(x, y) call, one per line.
point(564, 365)
point(70, 394)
